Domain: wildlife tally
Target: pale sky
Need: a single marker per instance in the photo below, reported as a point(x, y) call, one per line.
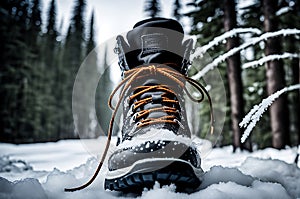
point(112, 17)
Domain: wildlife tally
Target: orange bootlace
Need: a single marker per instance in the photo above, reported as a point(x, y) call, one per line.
point(144, 72)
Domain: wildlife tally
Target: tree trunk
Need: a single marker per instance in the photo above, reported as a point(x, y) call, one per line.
point(295, 105)
point(299, 101)
point(275, 79)
point(296, 74)
point(234, 75)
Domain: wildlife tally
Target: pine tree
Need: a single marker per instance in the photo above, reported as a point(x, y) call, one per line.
point(93, 76)
point(234, 74)
point(275, 79)
point(65, 126)
point(51, 85)
point(6, 48)
point(152, 8)
point(74, 50)
point(91, 44)
point(60, 87)
point(104, 89)
point(254, 79)
point(35, 99)
point(84, 89)
point(290, 19)
point(16, 73)
point(51, 25)
point(207, 23)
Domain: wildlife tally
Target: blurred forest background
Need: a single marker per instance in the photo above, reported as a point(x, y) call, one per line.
point(39, 66)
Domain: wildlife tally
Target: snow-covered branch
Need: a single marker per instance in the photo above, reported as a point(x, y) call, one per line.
point(283, 10)
point(265, 59)
point(256, 112)
point(203, 49)
point(245, 45)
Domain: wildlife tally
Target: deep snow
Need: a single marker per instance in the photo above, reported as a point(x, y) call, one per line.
point(44, 170)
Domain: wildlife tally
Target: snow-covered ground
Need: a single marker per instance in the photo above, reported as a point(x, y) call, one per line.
point(44, 170)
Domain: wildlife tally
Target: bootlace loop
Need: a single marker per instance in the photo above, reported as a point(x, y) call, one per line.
point(142, 72)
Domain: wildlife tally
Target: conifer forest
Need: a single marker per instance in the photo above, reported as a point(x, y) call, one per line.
point(254, 46)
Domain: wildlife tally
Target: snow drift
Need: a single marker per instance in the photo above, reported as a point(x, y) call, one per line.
point(239, 175)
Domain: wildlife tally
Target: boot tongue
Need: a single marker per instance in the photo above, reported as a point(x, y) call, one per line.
point(156, 33)
point(155, 41)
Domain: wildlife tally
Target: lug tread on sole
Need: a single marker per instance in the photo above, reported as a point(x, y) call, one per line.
point(180, 175)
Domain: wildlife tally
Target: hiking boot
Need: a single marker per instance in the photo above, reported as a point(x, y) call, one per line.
point(155, 141)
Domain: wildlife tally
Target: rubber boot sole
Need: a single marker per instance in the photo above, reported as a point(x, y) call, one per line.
point(142, 175)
